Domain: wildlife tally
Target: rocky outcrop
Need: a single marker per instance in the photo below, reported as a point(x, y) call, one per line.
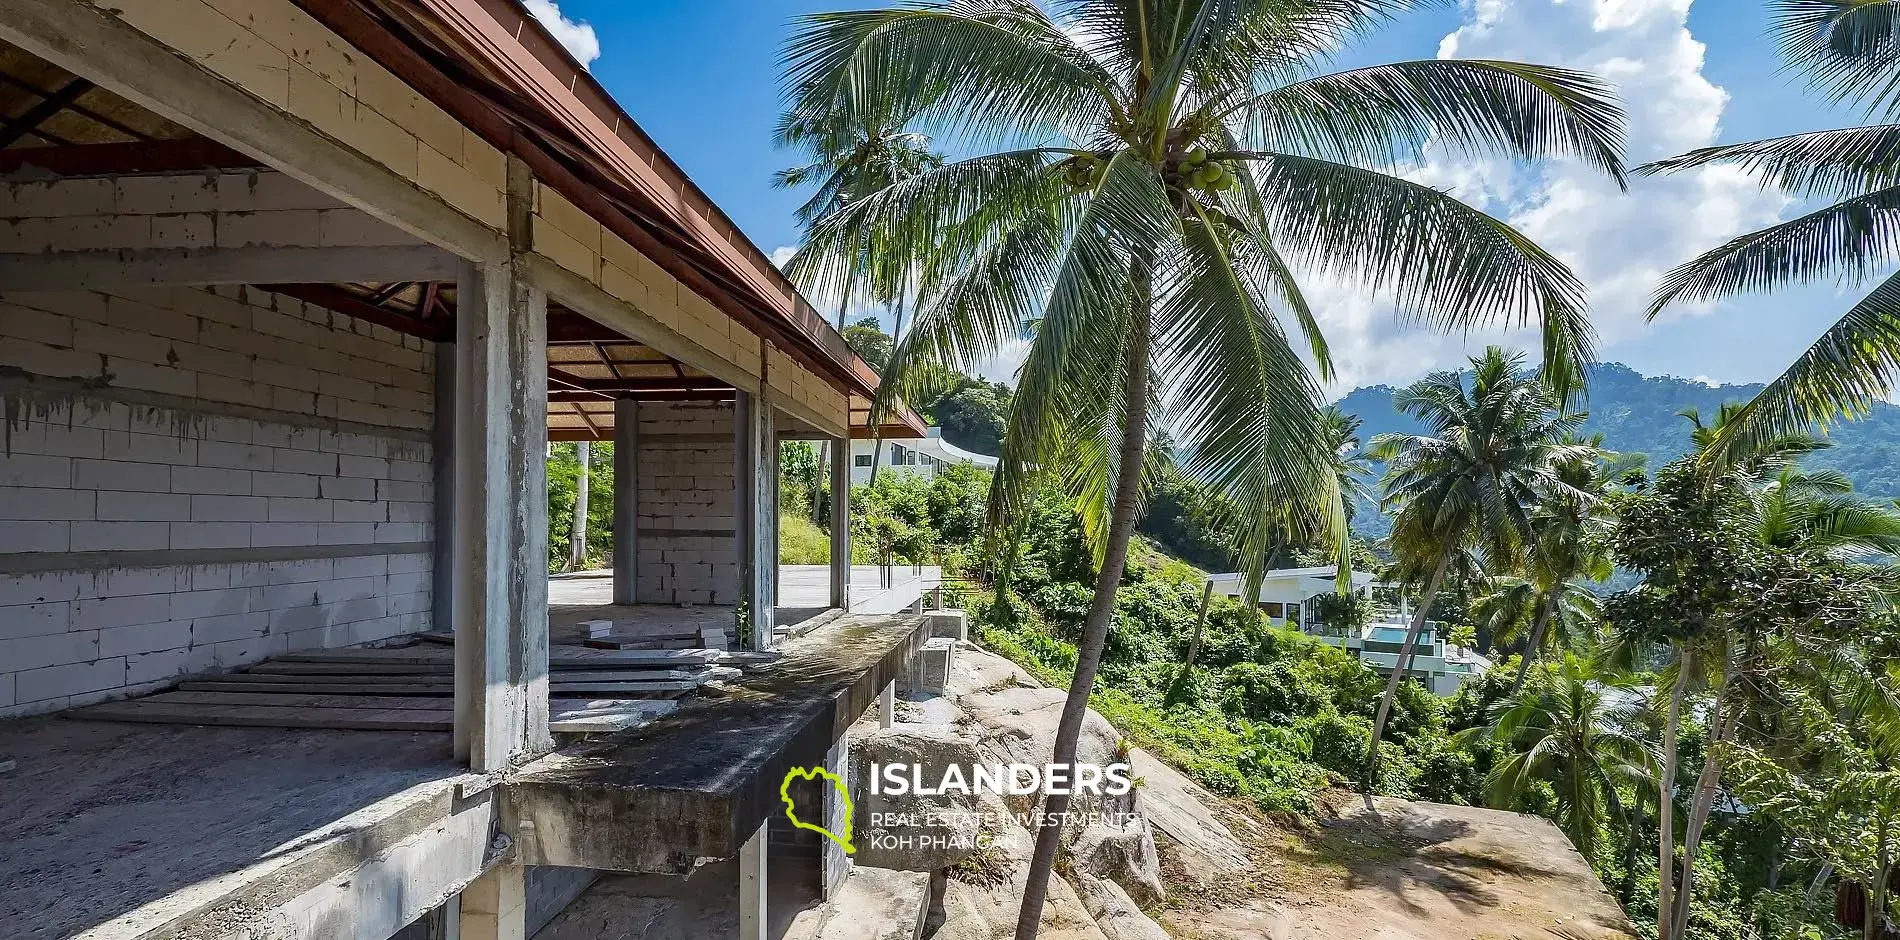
point(1002, 716)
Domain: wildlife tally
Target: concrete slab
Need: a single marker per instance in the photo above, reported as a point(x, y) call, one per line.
point(694, 784)
point(703, 905)
point(872, 904)
point(124, 828)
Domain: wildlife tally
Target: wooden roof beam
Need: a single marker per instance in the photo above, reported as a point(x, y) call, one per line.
point(52, 103)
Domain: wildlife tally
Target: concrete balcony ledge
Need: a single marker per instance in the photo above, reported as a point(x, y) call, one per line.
point(696, 784)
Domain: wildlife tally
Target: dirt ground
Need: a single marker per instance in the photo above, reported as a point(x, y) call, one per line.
point(1393, 870)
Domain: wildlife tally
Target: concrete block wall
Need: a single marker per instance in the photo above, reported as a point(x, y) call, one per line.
point(193, 480)
point(685, 530)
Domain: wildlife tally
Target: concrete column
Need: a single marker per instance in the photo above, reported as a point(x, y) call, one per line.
point(887, 706)
point(754, 494)
point(495, 906)
point(501, 586)
point(841, 523)
point(626, 499)
point(442, 597)
point(753, 920)
point(835, 863)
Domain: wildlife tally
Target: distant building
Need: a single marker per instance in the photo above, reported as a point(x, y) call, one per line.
point(922, 456)
point(1286, 595)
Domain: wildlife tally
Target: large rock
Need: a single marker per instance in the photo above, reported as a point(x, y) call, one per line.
point(1179, 808)
point(1124, 855)
point(984, 894)
point(1018, 726)
point(956, 823)
point(1115, 913)
point(979, 670)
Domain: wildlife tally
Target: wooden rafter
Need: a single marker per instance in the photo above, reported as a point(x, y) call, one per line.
point(344, 302)
point(78, 109)
point(30, 120)
point(389, 293)
point(186, 155)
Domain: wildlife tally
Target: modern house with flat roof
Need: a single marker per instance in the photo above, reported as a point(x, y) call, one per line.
point(293, 293)
point(1286, 596)
point(918, 456)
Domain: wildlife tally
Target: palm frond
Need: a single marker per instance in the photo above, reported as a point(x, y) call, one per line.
point(984, 68)
point(1852, 365)
point(1074, 366)
point(1852, 239)
point(1830, 164)
point(1385, 114)
point(1247, 408)
point(1848, 48)
point(1445, 263)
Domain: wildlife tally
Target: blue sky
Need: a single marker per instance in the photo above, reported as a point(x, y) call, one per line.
point(701, 78)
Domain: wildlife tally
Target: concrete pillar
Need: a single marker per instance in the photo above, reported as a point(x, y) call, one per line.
point(835, 863)
point(495, 906)
point(501, 586)
point(442, 597)
point(887, 706)
point(755, 491)
point(753, 920)
point(841, 523)
point(626, 499)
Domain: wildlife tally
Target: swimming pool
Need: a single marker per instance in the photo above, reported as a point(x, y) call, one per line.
point(1380, 633)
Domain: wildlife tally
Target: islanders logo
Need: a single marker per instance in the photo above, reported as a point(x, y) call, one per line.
point(844, 795)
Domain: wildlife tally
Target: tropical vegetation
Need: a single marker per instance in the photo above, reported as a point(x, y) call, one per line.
point(1164, 166)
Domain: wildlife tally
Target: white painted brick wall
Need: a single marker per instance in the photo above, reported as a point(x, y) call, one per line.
point(685, 477)
point(100, 473)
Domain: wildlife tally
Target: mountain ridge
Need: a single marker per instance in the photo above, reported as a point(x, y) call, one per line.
point(1636, 413)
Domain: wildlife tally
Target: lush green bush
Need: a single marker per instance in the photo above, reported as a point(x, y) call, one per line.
point(801, 542)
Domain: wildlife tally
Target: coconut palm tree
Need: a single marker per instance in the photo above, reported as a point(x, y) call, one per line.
point(1569, 548)
point(1511, 606)
point(1570, 727)
point(1491, 456)
point(1850, 50)
point(1352, 466)
point(853, 153)
point(1148, 176)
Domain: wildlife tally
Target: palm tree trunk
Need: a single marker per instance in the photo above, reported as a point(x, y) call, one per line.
point(1666, 802)
point(1399, 668)
point(1194, 646)
point(1095, 629)
point(820, 513)
point(1545, 611)
point(577, 531)
point(1626, 888)
point(897, 328)
point(1814, 887)
point(1883, 873)
point(1699, 809)
point(844, 303)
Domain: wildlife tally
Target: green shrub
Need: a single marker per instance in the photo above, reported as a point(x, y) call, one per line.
point(801, 542)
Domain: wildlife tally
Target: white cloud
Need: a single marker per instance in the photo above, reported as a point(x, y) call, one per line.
point(577, 36)
point(782, 254)
point(1619, 244)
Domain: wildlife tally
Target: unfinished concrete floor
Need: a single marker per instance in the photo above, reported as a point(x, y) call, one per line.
point(701, 906)
point(100, 819)
point(804, 593)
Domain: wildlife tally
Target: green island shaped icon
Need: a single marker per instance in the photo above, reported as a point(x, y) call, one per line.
point(837, 783)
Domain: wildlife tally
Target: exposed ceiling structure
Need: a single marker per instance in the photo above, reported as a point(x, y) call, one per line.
point(54, 124)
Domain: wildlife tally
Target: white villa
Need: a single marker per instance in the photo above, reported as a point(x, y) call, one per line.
point(923, 456)
point(1286, 595)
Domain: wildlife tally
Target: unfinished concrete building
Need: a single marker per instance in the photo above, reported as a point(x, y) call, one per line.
point(293, 295)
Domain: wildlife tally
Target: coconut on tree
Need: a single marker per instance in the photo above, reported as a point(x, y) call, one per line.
point(1148, 177)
